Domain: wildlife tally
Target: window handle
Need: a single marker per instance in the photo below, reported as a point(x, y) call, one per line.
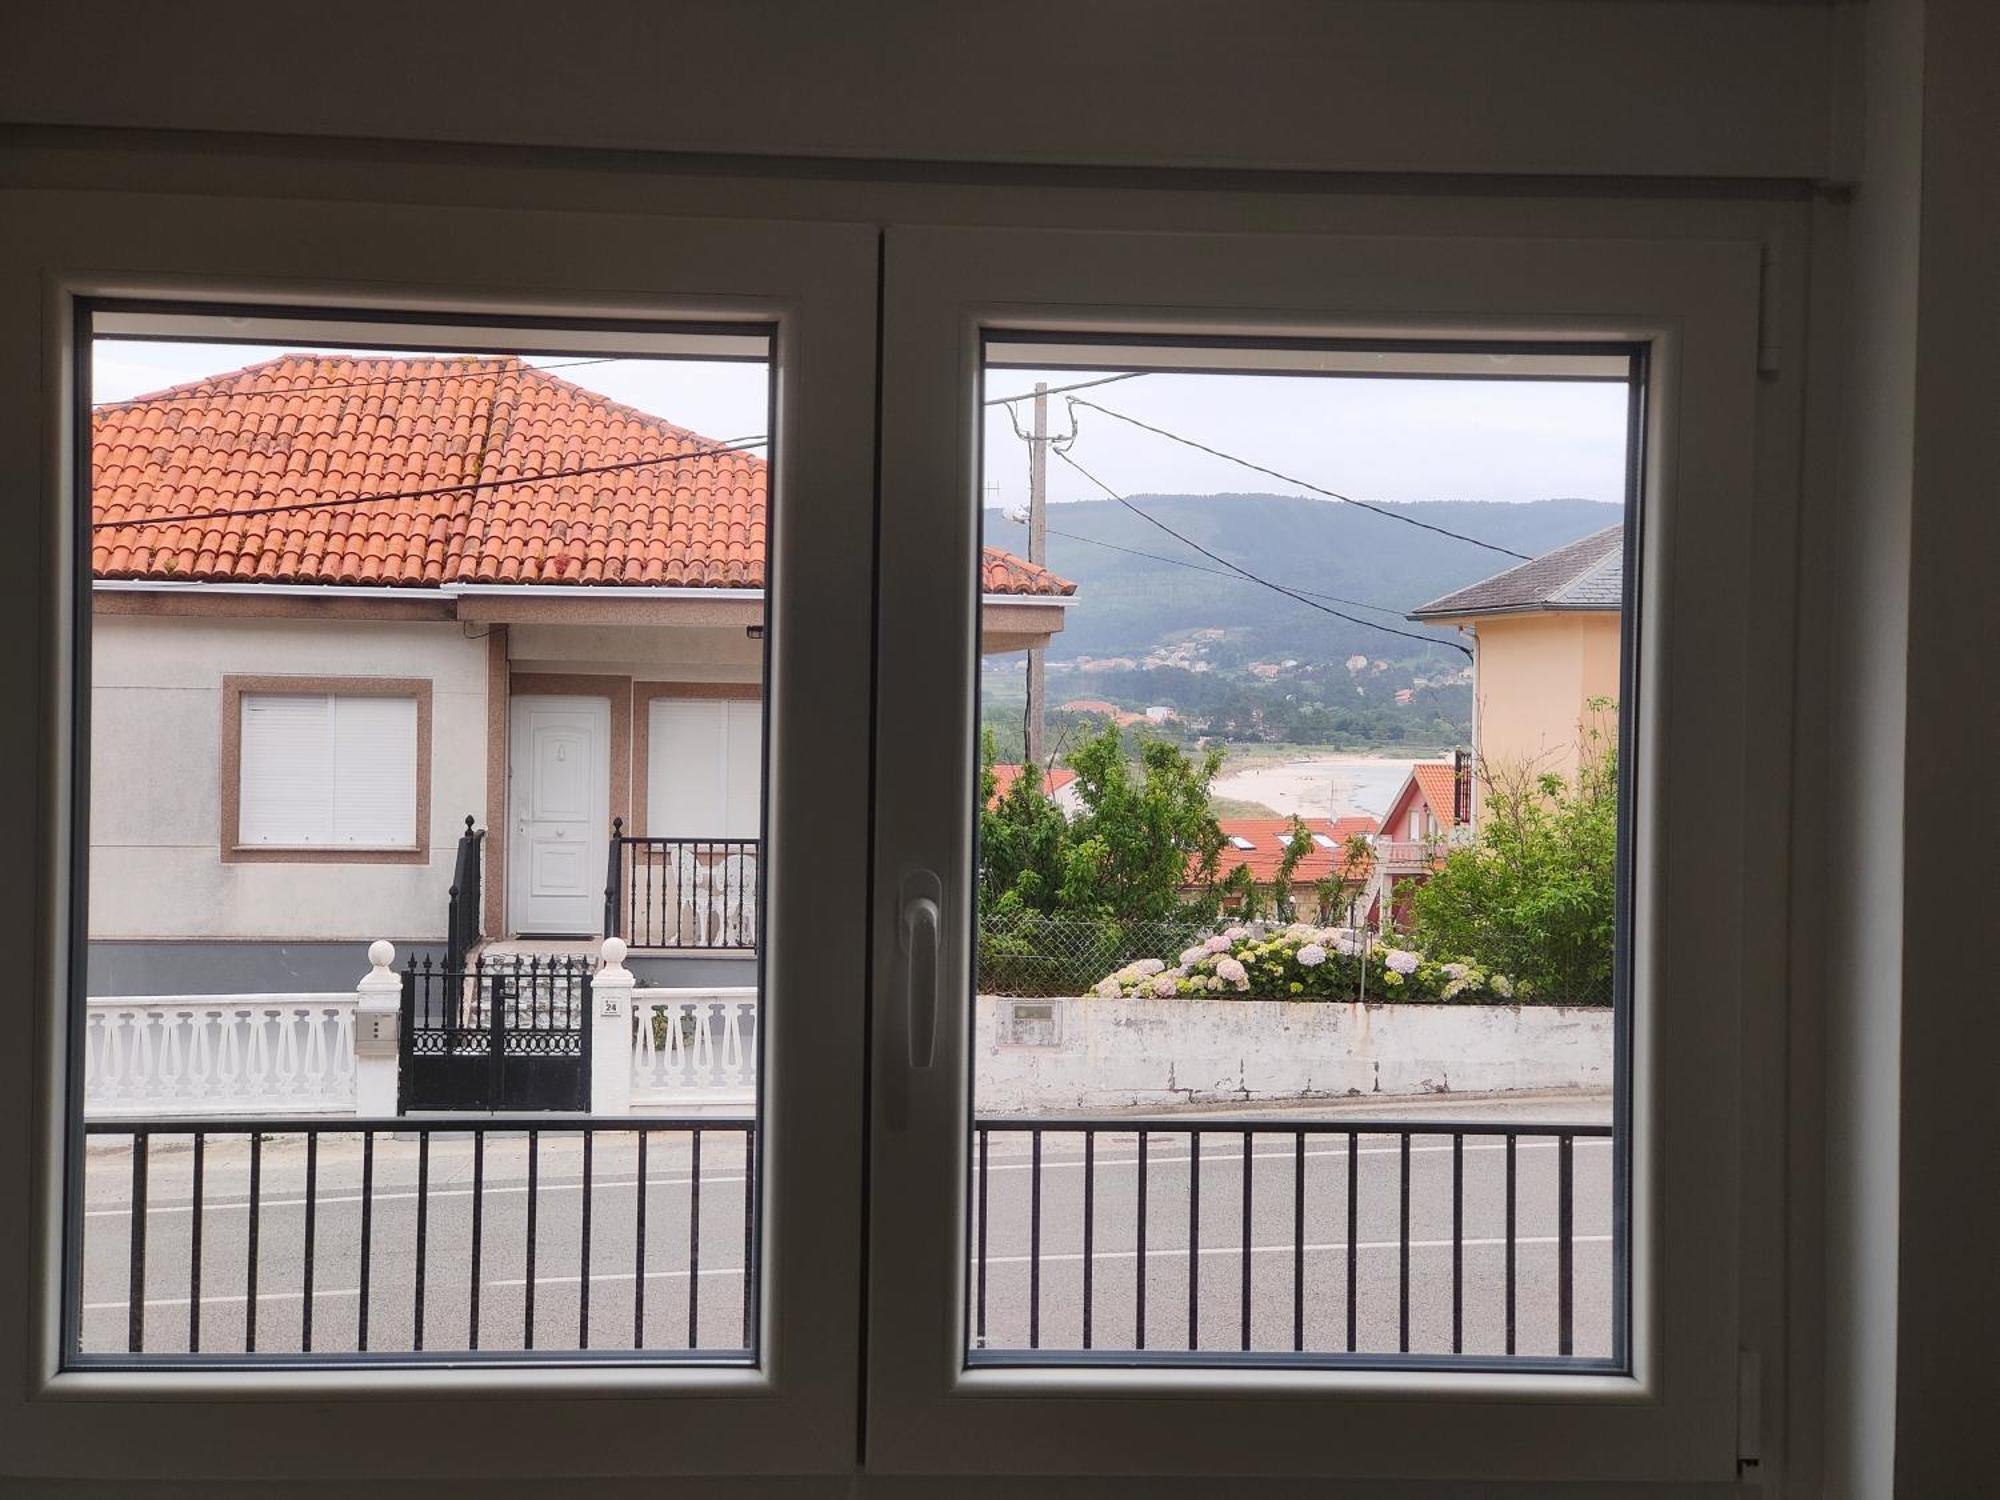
point(918, 938)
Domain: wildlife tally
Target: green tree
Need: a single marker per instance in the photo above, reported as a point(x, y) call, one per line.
point(1298, 844)
point(1145, 833)
point(1023, 840)
point(1535, 898)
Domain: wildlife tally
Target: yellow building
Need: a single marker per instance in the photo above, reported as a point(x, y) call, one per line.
point(1545, 642)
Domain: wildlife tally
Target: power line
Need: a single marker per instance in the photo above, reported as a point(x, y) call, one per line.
point(314, 390)
point(1189, 442)
point(734, 445)
point(1279, 588)
point(1181, 562)
point(1057, 390)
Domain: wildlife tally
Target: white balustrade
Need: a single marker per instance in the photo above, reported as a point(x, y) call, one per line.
point(694, 1046)
point(219, 1054)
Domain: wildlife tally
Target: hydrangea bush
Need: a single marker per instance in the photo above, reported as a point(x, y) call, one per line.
point(1265, 961)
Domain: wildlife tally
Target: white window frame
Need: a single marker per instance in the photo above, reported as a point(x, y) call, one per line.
point(795, 1411)
point(1695, 306)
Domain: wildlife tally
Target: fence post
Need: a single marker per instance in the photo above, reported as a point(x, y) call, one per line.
point(611, 1033)
point(378, 1008)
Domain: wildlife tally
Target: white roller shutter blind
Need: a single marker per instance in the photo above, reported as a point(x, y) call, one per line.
point(705, 768)
point(287, 786)
point(743, 762)
point(318, 770)
point(375, 772)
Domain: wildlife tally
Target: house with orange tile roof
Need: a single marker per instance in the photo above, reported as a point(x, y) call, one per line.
point(1258, 845)
point(354, 614)
point(1058, 785)
point(1431, 812)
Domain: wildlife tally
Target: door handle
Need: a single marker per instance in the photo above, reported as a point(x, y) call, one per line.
point(918, 936)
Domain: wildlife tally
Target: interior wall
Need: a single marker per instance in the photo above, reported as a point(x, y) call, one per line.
point(1527, 86)
point(1949, 1223)
point(1559, 113)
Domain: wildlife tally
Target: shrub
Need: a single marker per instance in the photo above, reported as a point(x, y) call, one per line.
point(1303, 962)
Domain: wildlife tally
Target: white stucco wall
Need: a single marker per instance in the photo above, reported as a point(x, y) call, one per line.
point(156, 735)
point(1108, 1054)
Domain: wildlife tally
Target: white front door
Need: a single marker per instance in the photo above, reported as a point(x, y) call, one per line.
point(559, 804)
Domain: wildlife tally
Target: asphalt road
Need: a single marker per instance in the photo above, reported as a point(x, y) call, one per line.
point(694, 1286)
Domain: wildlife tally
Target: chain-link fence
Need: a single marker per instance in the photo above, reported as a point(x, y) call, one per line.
point(1030, 953)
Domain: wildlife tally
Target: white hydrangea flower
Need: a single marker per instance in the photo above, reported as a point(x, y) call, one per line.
point(1217, 944)
point(1146, 968)
point(1107, 989)
point(1166, 985)
point(1194, 955)
point(1312, 955)
point(1401, 960)
point(1234, 934)
point(1234, 972)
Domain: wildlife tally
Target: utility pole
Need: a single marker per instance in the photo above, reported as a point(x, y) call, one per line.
point(1038, 546)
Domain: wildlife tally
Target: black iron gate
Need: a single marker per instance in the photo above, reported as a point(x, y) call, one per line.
point(504, 1033)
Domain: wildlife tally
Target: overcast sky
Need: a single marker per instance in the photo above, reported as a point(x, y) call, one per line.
point(1370, 438)
point(1373, 439)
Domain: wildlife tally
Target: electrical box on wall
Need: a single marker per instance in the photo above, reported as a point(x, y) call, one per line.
point(1031, 1023)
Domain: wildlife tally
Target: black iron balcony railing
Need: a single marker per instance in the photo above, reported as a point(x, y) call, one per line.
point(463, 924)
point(680, 892)
point(488, 1237)
point(1453, 1244)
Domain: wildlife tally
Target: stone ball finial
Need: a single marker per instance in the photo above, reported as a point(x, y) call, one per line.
point(381, 953)
point(614, 952)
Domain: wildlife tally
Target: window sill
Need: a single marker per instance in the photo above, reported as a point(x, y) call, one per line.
point(446, 1380)
point(327, 854)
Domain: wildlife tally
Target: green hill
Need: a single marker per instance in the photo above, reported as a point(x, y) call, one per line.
point(1129, 605)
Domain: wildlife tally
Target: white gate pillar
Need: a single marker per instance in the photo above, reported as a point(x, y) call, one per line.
point(378, 1009)
point(611, 1033)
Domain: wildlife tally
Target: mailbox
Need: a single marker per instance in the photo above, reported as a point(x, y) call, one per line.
point(375, 1033)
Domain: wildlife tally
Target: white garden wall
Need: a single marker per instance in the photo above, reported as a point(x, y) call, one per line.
point(1107, 1054)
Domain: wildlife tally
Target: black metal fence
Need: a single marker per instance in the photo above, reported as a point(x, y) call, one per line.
point(1366, 1242)
point(681, 893)
point(216, 1241)
point(464, 925)
point(507, 1032)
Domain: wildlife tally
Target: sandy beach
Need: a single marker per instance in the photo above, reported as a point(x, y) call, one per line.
point(1320, 786)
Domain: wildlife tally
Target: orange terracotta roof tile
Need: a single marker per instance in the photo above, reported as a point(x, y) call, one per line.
point(1006, 773)
point(468, 458)
point(1434, 780)
point(1267, 838)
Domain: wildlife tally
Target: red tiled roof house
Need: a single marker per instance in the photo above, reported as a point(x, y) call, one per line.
point(343, 604)
point(1258, 846)
point(1429, 813)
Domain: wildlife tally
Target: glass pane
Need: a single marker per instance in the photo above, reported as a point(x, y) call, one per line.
point(420, 1011)
point(1297, 1028)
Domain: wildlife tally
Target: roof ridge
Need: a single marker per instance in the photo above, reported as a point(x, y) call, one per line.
point(1595, 569)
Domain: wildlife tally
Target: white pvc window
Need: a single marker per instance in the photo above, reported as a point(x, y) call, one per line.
point(320, 770)
point(704, 776)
